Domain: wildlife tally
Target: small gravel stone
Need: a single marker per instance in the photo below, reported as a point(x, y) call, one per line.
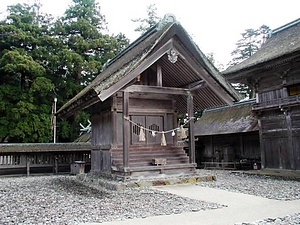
point(259, 185)
point(63, 200)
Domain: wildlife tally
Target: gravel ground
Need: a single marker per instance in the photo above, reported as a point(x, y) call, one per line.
point(61, 200)
point(259, 185)
point(286, 220)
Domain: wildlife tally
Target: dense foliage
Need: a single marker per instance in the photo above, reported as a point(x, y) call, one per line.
point(42, 58)
point(251, 41)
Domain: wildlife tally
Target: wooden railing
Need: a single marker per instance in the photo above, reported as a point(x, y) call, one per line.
point(42, 158)
point(277, 103)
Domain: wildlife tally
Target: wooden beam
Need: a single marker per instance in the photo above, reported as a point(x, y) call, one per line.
point(146, 63)
point(190, 107)
point(262, 146)
point(159, 75)
point(203, 74)
point(126, 129)
point(156, 90)
point(290, 139)
point(197, 85)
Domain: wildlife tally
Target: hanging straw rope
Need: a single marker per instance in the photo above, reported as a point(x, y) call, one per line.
point(160, 132)
point(182, 133)
point(163, 139)
point(142, 134)
point(142, 137)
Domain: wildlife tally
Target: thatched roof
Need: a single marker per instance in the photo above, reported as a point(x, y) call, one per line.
point(225, 120)
point(283, 42)
point(158, 41)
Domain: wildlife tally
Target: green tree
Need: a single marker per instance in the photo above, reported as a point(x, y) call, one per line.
point(251, 41)
point(42, 58)
point(24, 89)
point(149, 21)
point(85, 48)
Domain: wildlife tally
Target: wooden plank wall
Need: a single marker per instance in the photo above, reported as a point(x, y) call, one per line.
point(101, 162)
point(102, 129)
point(244, 145)
point(280, 146)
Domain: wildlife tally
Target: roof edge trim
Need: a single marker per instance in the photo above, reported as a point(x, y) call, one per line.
point(290, 24)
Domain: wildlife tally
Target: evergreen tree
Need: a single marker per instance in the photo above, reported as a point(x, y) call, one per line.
point(41, 58)
point(251, 41)
point(150, 21)
point(24, 89)
point(86, 48)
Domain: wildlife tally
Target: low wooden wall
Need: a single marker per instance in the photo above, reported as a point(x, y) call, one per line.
point(42, 158)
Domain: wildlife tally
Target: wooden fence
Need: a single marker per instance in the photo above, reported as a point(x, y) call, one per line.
point(42, 158)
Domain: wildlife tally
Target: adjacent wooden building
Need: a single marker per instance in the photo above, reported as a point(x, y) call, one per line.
point(228, 137)
point(274, 73)
point(135, 101)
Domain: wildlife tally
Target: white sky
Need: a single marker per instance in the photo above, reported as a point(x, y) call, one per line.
point(215, 25)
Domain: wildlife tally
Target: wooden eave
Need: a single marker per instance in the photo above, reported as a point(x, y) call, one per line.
point(282, 46)
point(151, 50)
point(226, 120)
point(259, 69)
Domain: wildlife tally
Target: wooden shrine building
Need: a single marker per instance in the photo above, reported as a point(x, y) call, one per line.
point(274, 72)
point(228, 137)
point(135, 101)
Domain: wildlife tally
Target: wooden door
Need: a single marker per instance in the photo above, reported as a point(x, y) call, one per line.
point(135, 129)
point(154, 123)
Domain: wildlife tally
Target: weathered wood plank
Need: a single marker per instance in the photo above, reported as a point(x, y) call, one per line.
point(157, 90)
point(190, 107)
point(159, 75)
point(126, 129)
point(131, 75)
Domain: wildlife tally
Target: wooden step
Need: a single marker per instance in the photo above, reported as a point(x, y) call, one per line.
point(149, 162)
point(140, 156)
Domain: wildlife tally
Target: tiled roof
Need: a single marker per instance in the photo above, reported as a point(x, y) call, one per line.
point(283, 41)
point(225, 120)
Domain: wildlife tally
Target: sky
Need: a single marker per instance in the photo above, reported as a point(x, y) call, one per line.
point(214, 25)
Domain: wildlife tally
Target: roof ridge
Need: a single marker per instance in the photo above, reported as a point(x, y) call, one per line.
point(236, 104)
point(168, 18)
point(285, 26)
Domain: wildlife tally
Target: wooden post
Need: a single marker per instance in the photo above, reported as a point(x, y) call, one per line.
point(262, 146)
point(175, 139)
point(290, 138)
point(159, 75)
point(28, 165)
point(114, 121)
point(55, 164)
point(190, 109)
point(126, 129)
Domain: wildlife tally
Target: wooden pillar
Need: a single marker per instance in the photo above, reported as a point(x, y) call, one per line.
point(262, 145)
point(55, 166)
point(126, 129)
point(28, 165)
point(242, 152)
point(159, 75)
point(115, 122)
point(190, 109)
point(290, 139)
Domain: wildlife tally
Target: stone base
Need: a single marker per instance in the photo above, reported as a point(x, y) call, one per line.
point(103, 183)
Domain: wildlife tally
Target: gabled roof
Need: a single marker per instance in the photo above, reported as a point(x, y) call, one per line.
point(191, 68)
point(283, 42)
point(227, 120)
